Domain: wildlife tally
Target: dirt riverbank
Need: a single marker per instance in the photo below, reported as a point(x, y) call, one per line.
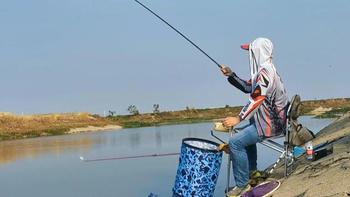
point(328, 176)
point(26, 126)
point(93, 129)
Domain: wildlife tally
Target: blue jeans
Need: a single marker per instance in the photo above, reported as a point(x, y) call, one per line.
point(243, 153)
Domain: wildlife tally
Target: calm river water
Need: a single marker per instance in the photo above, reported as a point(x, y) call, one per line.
point(50, 166)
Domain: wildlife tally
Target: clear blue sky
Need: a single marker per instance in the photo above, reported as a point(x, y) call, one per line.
point(90, 55)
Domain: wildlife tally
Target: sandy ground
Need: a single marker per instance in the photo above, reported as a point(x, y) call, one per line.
point(92, 128)
point(328, 176)
point(320, 111)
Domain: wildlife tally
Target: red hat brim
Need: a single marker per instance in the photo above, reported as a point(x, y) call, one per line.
point(245, 46)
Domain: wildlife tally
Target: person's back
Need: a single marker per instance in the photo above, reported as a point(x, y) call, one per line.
point(271, 115)
point(280, 101)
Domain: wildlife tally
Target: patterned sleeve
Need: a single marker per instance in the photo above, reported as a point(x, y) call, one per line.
point(257, 97)
point(244, 86)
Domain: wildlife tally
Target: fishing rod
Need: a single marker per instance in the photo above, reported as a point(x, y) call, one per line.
point(127, 157)
point(179, 33)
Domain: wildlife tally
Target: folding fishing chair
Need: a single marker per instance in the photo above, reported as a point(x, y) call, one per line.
point(286, 149)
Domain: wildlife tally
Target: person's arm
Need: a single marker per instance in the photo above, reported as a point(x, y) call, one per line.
point(248, 110)
point(257, 97)
point(244, 86)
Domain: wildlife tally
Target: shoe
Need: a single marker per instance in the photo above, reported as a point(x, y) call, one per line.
point(237, 191)
point(258, 174)
point(256, 177)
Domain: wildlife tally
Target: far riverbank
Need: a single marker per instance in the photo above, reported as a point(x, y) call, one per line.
point(27, 126)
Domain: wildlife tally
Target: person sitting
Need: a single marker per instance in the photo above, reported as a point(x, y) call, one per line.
point(265, 111)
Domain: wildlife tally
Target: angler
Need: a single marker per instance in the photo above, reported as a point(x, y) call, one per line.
point(265, 111)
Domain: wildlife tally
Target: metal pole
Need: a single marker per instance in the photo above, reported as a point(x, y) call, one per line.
point(229, 167)
point(228, 173)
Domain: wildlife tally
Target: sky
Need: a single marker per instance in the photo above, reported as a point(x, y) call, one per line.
point(95, 56)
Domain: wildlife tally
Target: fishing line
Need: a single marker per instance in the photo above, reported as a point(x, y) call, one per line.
point(195, 45)
point(127, 157)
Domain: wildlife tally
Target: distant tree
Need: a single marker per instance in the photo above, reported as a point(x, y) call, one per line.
point(133, 110)
point(156, 108)
point(227, 106)
point(111, 113)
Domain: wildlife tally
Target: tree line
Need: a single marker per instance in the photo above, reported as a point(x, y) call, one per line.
point(132, 109)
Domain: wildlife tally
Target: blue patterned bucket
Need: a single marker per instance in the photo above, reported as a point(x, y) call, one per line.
point(198, 169)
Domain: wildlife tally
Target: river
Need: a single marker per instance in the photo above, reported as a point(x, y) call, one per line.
point(50, 166)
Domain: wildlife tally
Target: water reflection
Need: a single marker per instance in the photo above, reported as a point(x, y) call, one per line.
point(158, 137)
point(10, 151)
point(134, 139)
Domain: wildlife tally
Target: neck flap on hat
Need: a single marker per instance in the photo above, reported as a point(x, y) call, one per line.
point(260, 53)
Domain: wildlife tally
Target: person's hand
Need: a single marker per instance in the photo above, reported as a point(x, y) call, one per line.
point(224, 147)
point(231, 121)
point(226, 70)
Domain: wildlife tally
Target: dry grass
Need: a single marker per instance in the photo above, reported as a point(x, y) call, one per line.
point(14, 126)
point(309, 106)
point(174, 117)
